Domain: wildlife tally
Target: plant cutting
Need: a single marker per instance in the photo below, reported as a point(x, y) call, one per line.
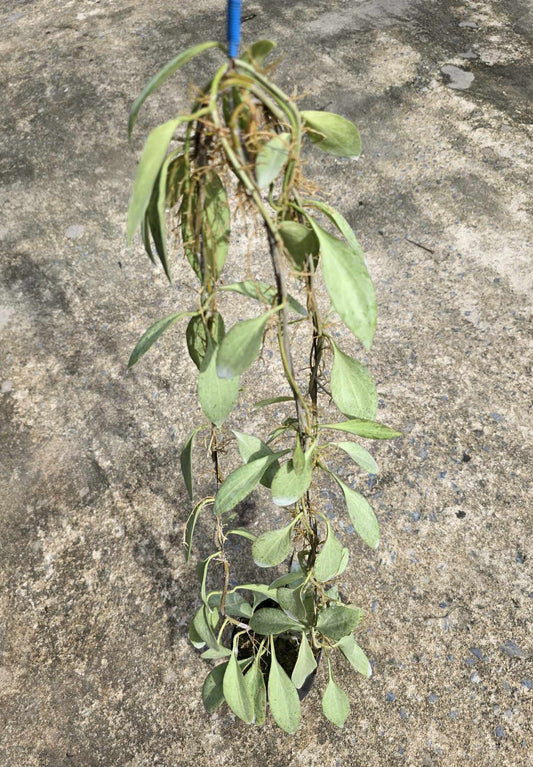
point(240, 148)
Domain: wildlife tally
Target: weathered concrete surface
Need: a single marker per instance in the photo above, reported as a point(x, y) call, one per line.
point(95, 667)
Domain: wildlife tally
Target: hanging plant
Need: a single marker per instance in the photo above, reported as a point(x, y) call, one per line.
point(265, 638)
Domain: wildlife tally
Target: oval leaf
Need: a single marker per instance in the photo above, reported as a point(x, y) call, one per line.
point(272, 547)
point(241, 346)
point(152, 334)
point(305, 663)
point(282, 696)
point(186, 462)
point(352, 387)
point(338, 621)
point(290, 601)
point(349, 285)
point(217, 395)
point(333, 133)
point(271, 158)
point(163, 74)
point(236, 691)
point(364, 428)
point(212, 690)
point(150, 163)
point(240, 483)
point(299, 240)
point(361, 515)
point(335, 702)
point(258, 51)
point(270, 621)
point(358, 454)
point(287, 485)
point(331, 560)
point(353, 653)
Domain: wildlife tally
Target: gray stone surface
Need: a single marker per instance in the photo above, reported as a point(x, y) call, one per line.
point(95, 666)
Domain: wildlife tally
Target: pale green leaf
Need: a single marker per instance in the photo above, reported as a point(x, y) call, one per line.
point(338, 621)
point(217, 395)
point(358, 454)
point(150, 163)
point(335, 702)
point(295, 578)
point(291, 602)
point(191, 524)
point(242, 533)
point(270, 620)
point(340, 222)
point(234, 604)
point(352, 387)
point(152, 334)
point(262, 291)
point(258, 51)
point(361, 514)
point(215, 653)
point(157, 214)
point(163, 74)
point(145, 236)
point(349, 285)
point(195, 638)
point(215, 224)
point(363, 428)
point(305, 663)
point(255, 682)
point(272, 547)
point(236, 691)
point(331, 560)
point(333, 133)
point(190, 234)
point(186, 462)
point(250, 448)
point(298, 457)
point(271, 158)
point(354, 654)
point(282, 696)
point(241, 345)
point(204, 624)
point(287, 486)
point(240, 483)
point(299, 240)
point(212, 690)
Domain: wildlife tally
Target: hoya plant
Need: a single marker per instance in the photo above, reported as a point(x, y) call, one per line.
point(242, 141)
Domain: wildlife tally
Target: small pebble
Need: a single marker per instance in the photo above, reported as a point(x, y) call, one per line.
point(512, 650)
point(527, 684)
point(499, 731)
point(433, 697)
point(477, 652)
point(75, 231)
point(390, 697)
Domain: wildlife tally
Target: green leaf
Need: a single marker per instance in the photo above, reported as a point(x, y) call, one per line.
point(333, 133)
point(196, 335)
point(152, 334)
point(270, 620)
point(272, 401)
point(195, 638)
point(352, 387)
point(258, 51)
point(255, 682)
point(272, 547)
point(250, 448)
point(204, 623)
point(361, 514)
point(349, 285)
point(282, 696)
point(145, 236)
point(150, 163)
point(240, 483)
point(258, 588)
point(215, 224)
point(363, 428)
point(331, 560)
point(191, 524)
point(338, 621)
point(354, 654)
point(358, 454)
point(291, 602)
point(217, 395)
point(186, 461)
point(189, 234)
point(234, 605)
point(335, 702)
point(299, 240)
point(175, 179)
point(163, 74)
point(338, 219)
point(263, 292)
point(241, 345)
point(157, 214)
point(287, 486)
point(271, 158)
point(236, 691)
point(305, 663)
point(214, 653)
point(296, 577)
point(298, 457)
point(212, 690)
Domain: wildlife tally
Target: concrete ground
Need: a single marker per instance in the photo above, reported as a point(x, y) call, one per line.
point(95, 666)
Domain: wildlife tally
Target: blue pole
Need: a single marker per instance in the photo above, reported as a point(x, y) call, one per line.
point(234, 27)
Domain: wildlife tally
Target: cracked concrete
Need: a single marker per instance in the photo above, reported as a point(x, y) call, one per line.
point(95, 666)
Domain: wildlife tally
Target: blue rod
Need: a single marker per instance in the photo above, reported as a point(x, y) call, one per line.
point(234, 27)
